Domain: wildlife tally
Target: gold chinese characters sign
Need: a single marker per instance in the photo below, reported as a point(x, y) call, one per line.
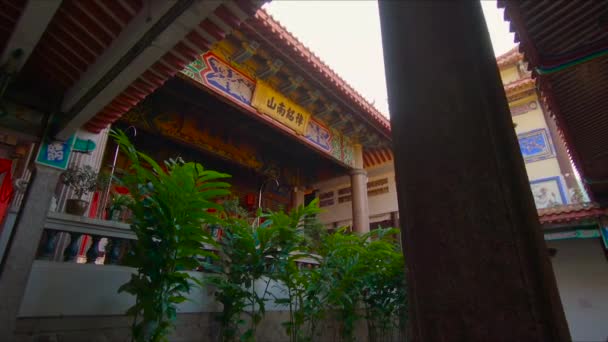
point(270, 102)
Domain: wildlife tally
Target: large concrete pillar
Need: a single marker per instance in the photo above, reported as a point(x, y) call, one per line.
point(478, 268)
point(23, 247)
point(358, 181)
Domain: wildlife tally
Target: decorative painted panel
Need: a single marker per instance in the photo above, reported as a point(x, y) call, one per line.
point(195, 69)
point(535, 145)
point(320, 136)
point(336, 144)
point(218, 75)
point(213, 72)
point(348, 151)
point(524, 108)
point(573, 234)
point(548, 192)
point(222, 77)
point(190, 130)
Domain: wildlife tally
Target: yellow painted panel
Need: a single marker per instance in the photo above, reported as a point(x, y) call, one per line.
point(523, 100)
point(509, 75)
point(532, 120)
point(272, 103)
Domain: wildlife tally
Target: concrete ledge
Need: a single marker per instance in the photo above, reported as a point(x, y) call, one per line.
point(189, 328)
point(56, 289)
point(80, 224)
point(69, 289)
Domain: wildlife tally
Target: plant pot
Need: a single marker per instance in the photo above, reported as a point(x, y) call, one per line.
point(115, 215)
point(76, 207)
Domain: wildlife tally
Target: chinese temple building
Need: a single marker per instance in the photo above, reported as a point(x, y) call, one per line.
point(224, 84)
point(261, 107)
point(574, 228)
point(63, 66)
point(251, 101)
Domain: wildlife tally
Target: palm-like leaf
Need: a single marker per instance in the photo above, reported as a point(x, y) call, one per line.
point(170, 211)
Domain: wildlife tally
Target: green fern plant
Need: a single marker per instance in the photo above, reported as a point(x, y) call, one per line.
point(235, 273)
point(298, 234)
point(384, 294)
point(361, 277)
point(169, 211)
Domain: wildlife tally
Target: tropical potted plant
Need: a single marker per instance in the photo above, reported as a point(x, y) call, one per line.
point(120, 204)
point(83, 180)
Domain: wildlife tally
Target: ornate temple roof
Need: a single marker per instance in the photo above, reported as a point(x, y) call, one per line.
point(509, 58)
point(225, 18)
point(518, 86)
point(565, 45)
point(571, 213)
point(278, 34)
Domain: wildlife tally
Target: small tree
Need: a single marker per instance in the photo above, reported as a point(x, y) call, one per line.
point(341, 278)
point(384, 287)
point(83, 180)
point(297, 233)
point(239, 266)
point(169, 212)
point(250, 256)
point(360, 270)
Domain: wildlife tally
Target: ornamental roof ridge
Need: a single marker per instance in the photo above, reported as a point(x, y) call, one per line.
point(521, 84)
point(573, 212)
point(510, 57)
point(287, 37)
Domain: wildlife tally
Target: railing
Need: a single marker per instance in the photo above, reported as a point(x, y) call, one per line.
point(66, 270)
point(61, 240)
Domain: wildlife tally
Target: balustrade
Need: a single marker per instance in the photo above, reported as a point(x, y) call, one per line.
point(107, 241)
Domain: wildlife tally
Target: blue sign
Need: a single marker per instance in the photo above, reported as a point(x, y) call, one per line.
point(84, 146)
point(55, 153)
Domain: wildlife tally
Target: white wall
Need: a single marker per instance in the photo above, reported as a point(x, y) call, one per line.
point(530, 121)
point(581, 270)
point(380, 206)
point(66, 289)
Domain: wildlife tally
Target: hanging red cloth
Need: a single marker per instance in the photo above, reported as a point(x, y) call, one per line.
point(6, 188)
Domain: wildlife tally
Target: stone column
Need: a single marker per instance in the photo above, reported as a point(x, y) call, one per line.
point(478, 268)
point(22, 250)
point(358, 181)
point(298, 197)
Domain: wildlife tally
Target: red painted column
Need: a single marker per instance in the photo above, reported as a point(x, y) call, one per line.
point(478, 265)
